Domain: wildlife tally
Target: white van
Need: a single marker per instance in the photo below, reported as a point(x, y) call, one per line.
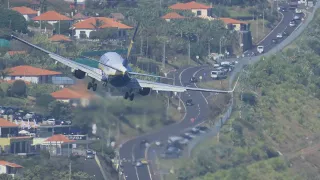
point(260, 49)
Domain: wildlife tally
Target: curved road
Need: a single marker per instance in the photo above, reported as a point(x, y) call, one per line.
point(131, 150)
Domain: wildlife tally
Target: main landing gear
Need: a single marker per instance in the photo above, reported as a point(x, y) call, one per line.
point(93, 85)
point(129, 95)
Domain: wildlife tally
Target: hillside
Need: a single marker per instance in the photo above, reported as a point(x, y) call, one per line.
point(274, 130)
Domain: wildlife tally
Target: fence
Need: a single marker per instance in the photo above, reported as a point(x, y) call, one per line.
point(242, 62)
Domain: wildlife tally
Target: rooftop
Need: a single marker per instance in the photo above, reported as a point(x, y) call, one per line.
point(118, 16)
point(73, 92)
point(30, 71)
point(24, 10)
point(105, 23)
point(11, 53)
point(51, 16)
point(79, 16)
point(59, 138)
point(172, 15)
point(6, 124)
point(59, 38)
point(6, 163)
point(232, 21)
point(189, 6)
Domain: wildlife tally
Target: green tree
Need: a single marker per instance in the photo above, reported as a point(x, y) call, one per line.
point(12, 19)
point(60, 110)
point(44, 100)
point(18, 88)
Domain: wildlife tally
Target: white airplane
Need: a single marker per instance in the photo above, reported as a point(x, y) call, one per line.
point(115, 70)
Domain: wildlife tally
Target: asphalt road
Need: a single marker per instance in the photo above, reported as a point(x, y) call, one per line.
point(132, 150)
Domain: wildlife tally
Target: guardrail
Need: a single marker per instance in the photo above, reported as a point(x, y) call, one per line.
point(245, 61)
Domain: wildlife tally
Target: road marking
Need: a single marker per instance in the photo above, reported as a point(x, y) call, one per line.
point(273, 28)
point(146, 157)
point(197, 86)
point(133, 160)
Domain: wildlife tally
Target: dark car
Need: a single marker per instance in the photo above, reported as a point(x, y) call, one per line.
point(89, 154)
point(285, 33)
point(275, 41)
point(193, 80)
point(189, 102)
point(144, 142)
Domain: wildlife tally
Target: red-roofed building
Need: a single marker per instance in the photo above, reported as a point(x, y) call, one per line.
point(200, 10)
point(10, 142)
point(9, 168)
point(31, 74)
point(13, 53)
point(83, 28)
point(172, 15)
point(58, 145)
point(76, 95)
point(79, 17)
point(59, 38)
point(51, 17)
point(27, 13)
point(235, 24)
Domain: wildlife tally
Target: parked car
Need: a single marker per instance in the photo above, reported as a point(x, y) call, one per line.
point(292, 23)
point(193, 80)
point(189, 102)
point(279, 35)
point(296, 17)
point(275, 41)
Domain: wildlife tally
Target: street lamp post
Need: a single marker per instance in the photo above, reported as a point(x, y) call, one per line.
point(221, 43)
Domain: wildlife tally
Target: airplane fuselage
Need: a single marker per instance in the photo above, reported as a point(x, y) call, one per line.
point(112, 76)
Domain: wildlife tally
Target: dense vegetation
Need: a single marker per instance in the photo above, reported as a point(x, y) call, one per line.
point(273, 133)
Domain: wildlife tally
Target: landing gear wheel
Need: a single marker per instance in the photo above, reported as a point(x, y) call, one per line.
point(131, 97)
point(94, 87)
point(126, 95)
point(89, 85)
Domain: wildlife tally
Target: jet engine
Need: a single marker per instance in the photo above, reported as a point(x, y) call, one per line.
point(79, 74)
point(144, 91)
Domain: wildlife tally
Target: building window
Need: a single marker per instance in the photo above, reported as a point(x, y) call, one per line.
point(198, 13)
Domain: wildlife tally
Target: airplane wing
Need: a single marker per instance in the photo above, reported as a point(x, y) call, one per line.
point(90, 71)
point(137, 83)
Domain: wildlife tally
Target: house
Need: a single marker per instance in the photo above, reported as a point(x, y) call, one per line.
point(10, 142)
point(172, 15)
point(31, 74)
point(117, 16)
point(76, 95)
point(59, 38)
point(51, 17)
point(13, 53)
point(58, 145)
point(79, 17)
point(83, 28)
point(234, 24)
point(9, 168)
point(81, 4)
point(27, 13)
point(200, 10)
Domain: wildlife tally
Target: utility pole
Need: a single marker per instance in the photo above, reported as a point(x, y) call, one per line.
point(189, 53)
point(263, 22)
point(70, 172)
point(257, 29)
point(164, 55)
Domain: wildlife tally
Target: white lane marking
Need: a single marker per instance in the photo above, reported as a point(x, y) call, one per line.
point(146, 157)
point(133, 160)
point(273, 28)
point(197, 86)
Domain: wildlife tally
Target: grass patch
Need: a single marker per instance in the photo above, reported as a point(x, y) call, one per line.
point(257, 30)
point(215, 84)
point(235, 11)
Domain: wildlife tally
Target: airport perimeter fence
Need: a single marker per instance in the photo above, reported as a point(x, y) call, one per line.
point(245, 61)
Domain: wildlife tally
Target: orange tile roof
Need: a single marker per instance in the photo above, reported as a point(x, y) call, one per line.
point(5, 123)
point(6, 163)
point(59, 138)
point(172, 15)
point(24, 10)
point(59, 38)
point(72, 93)
point(30, 71)
point(232, 21)
point(51, 16)
point(79, 16)
point(11, 53)
point(189, 6)
point(106, 23)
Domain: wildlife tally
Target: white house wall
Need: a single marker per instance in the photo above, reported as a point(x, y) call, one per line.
point(87, 31)
point(204, 12)
point(3, 169)
point(24, 78)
